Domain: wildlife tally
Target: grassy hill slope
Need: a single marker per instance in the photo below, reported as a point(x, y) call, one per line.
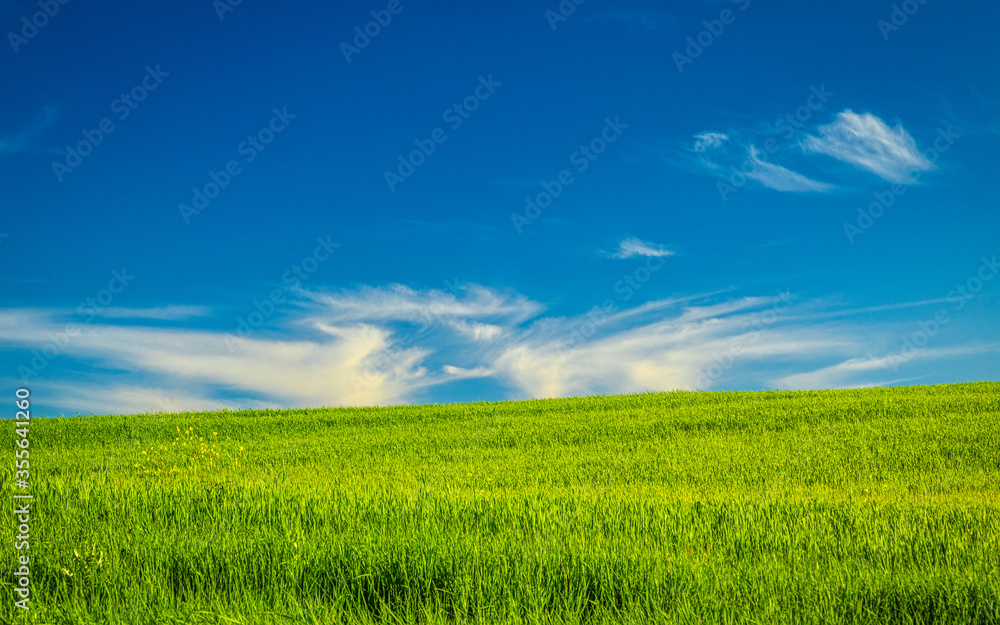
point(855, 506)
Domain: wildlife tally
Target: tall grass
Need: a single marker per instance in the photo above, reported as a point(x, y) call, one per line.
point(868, 506)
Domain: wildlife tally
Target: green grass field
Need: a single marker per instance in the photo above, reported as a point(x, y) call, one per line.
point(856, 506)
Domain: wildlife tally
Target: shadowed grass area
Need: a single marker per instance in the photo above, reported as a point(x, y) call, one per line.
point(860, 506)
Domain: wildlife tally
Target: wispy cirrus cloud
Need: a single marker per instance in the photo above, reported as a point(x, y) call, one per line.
point(285, 368)
point(780, 178)
point(163, 313)
point(401, 303)
point(661, 345)
point(705, 141)
point(857, 372)
point(632, 247)
point(137, 399)
point(730, 155)
point(21, 140)
point(375, 345)
point(865, 141)
point(329, 350)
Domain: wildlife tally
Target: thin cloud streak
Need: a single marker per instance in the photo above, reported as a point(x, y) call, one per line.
point(780, 178)
point(22, 139)
point(162, 313)
point(632, 247)
point(844, 374)
point(401, 303)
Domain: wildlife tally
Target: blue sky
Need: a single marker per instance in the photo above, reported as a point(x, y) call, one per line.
point(213, 205)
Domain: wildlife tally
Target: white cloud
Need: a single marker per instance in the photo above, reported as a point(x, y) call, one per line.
point(708, 140)
point(865, 141)
point(840, 375)
point(328, 368)
point(345, 348)
point(129, 399)
point(401, 303)
point(460, 373)
point(855, 372)
point(725, 155)
point(654, 351)
point(861, 140)
point(365, 347)
point(631, 247)
point(780, 178)
point(483, 332)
